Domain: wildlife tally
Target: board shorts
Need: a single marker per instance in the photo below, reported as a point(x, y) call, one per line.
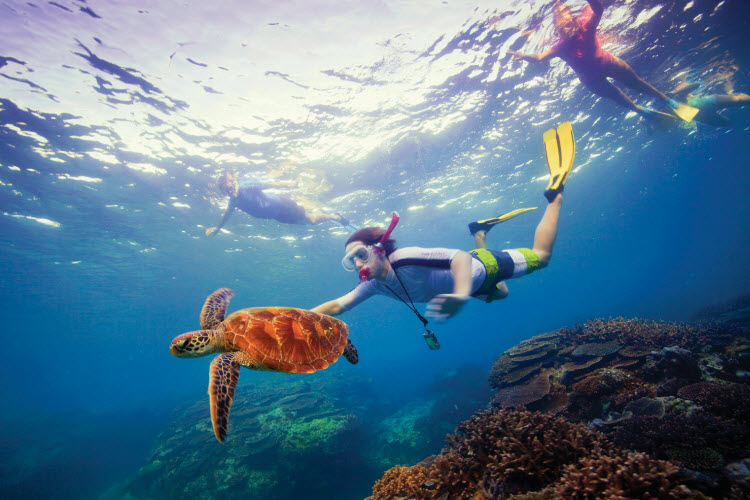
point(504, 265)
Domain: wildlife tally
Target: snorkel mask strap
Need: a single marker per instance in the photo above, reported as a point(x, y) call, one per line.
point(378, 247)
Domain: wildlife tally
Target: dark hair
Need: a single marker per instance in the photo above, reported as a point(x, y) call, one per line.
point(372, 235)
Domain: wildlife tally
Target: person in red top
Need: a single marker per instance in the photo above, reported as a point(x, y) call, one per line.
point(581, 49)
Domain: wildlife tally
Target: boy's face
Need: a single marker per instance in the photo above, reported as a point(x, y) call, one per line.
point(375, 262)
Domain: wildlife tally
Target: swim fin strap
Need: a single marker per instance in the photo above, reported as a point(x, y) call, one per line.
point(560, 147)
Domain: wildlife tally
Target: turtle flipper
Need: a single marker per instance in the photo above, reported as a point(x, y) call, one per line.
point(223, 377)
point(215, 308)
point(350, 353)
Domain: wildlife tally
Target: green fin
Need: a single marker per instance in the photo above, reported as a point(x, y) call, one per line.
point(560, 148)
point(686, 112)
point(486, 224)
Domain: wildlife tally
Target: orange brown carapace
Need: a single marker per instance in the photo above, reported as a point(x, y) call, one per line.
point(281, 339)
point(286, 339)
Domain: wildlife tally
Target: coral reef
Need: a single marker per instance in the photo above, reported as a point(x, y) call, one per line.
point(522, 454)
point(676, 391)
point(727, 399)
point(614, 408)
point(419, 427)
point(305, 437)
point(735, 311)
point(283, 431)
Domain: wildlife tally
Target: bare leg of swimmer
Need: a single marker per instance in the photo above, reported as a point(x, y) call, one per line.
point(546, 231)
point(623, 73)
point(480, 239)
point(605, 88)
point(312, 215)
point(315, 217)
point(731, 100)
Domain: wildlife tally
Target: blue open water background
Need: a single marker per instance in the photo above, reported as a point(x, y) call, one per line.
point(116, 120)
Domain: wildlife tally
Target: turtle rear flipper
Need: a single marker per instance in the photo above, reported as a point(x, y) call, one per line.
point(215, 308)
point(350, 353)
point(223, 377)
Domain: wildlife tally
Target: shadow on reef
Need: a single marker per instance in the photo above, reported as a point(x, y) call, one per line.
point(304, 437)
point(611, 409)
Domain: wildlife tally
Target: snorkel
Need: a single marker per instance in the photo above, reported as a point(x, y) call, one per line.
point(378, 249)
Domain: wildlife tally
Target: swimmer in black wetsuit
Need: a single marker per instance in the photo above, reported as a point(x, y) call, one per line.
point(254, 201)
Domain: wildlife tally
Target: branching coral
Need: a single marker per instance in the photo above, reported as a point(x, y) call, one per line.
point(403, 482)
point(616, 475)
point(501, 453)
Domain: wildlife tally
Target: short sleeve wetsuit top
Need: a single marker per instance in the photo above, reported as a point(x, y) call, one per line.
point(426, 272)
point(583, 52)
point(252, 199)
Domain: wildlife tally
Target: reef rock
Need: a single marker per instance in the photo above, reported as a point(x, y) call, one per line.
point(283, 432)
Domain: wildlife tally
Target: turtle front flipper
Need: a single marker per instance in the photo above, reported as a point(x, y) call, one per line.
point(222, 381)
point(350, 353)
point(215, 308)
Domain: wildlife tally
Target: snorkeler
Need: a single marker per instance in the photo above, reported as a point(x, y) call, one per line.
point(447, 278)
point(253, 200)
point(581, 49)
point(710, 105)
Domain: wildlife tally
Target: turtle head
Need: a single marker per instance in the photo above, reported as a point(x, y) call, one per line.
point(195, 344)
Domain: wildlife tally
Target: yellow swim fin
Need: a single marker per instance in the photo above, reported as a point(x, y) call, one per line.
point(486, 224)
point(560, 148)
point(659, 120)
point(686, 111)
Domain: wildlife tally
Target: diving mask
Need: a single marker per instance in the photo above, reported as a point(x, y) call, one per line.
point(361, 253)
point(366, 254)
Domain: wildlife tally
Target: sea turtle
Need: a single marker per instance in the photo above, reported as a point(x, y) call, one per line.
point(278, 339)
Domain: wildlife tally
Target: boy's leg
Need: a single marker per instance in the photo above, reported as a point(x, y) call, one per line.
point(546, 231)
point(500, 292)
point(480, 239)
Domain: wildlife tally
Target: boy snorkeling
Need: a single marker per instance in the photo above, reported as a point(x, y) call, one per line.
point(446, 278)
point(253, 200)
point(581, 49)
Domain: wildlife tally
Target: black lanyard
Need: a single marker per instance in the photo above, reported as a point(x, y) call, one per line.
point(432, 341)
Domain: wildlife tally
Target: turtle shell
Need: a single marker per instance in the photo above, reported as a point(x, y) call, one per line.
point(286, 339)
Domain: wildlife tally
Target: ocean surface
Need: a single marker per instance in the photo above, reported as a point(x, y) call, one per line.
point(116, 119)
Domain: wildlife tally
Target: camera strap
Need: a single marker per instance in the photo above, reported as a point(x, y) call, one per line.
point(429, 337)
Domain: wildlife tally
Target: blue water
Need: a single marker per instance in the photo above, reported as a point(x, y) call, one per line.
point(115, 123)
